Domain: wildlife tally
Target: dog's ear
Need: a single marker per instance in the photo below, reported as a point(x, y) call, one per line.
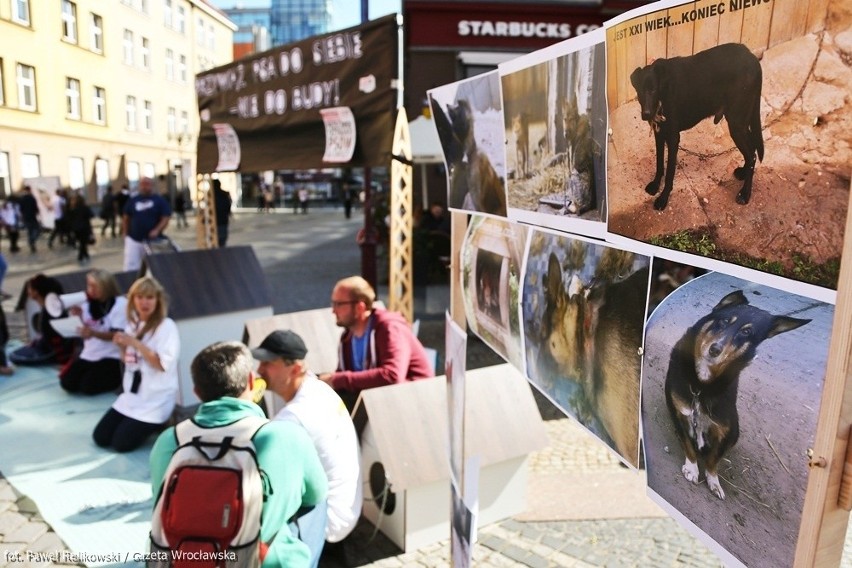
point(733, 299)
point(553, 283)
point(780, 324)
point(636, 79)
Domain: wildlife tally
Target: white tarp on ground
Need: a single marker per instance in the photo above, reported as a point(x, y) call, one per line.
point(98, 502)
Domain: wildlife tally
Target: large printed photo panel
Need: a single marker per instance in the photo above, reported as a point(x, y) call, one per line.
point(732, 133)
point(468, 116)
point(732, 380)
point(583, 312)
point(555, 121)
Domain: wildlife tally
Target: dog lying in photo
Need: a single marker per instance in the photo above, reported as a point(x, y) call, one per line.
point(703, 376)
point(484, 186)
point(593, 334)
point(521, 130)
point(677, 93)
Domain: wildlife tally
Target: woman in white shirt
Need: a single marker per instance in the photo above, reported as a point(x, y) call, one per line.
point(98, 367)
point(150, 346)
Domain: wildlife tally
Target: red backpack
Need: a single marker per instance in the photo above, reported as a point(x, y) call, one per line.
point(209, 506)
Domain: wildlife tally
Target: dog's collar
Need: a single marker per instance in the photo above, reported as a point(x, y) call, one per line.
point(658, 118)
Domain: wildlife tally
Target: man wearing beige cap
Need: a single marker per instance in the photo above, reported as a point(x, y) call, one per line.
point(315, 406)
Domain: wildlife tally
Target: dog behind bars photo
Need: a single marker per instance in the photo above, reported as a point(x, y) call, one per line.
point(703, 377)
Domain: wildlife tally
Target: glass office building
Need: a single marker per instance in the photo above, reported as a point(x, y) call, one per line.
point(284, 21)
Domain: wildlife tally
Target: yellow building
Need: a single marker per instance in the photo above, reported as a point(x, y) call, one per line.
point(100, 92)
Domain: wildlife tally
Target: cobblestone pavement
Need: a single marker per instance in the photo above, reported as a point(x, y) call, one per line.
point(295, 248)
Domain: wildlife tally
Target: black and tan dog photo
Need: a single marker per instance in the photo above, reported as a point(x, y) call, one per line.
point(732, 376)
point(703, 379)
point(724, 125)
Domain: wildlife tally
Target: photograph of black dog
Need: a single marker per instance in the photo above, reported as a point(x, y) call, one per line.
point(732, 379)
point(703, 377)
point(677, 93)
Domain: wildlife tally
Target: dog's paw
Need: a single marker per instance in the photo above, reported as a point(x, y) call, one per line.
point(715, 486)
point(652, 188)
point(743, 196)
point(690, 471)
point(661, 202)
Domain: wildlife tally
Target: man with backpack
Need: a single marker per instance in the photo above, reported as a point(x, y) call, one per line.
point(216, 475)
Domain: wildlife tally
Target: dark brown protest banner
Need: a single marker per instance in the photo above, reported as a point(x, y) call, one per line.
point(267, 111)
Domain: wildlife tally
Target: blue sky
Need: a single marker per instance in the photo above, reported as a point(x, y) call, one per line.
point(347, 12)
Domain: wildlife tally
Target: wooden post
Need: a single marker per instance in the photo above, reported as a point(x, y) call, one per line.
point(206, 236)
point(400, 297)
point(458, 228)
point(823, 529)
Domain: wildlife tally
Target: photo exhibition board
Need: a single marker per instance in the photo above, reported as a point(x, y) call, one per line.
point(468, 116)
point(768, 85)
point(776, 234)
point(736, 369)
point(554, 119)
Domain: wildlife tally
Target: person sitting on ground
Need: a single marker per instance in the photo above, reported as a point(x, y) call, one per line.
point(5, 368)
point(377, 347)
point(49, 346)
point(313, 404)
point(149, 347)
point(223, 379)
point(98, 367)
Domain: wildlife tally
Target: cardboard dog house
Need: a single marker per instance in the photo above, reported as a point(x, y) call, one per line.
point(211, 294)
point(405, 446)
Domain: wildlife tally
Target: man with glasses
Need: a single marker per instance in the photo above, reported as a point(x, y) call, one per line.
point(377, 347)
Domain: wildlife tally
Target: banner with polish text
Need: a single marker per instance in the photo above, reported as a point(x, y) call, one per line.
point(270, 105)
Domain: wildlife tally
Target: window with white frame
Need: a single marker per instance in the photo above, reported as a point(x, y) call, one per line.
point(2, 85)
point(21, 11)
point(167, 13)
point(147, 116)
point(99, 105)
point(148, 170)
point(171, 121)
point(145, 53)
point(96, 29)
point(76, 173)
point(184, 122)
point(69, 21)
point(132, 175)
point(30, 165)
point(26, 87)
point(101, 176)
point(5, 178)
point(127, 46)
point(182, 68)
point(199, 31)
point(143, 6)
point(72, 98)
point(170, 64)
point(180, 19)
point(130, 113)
point(211, 37)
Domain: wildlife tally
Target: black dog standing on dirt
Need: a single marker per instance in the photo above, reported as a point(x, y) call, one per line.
point(679, 92)
point(703, 376)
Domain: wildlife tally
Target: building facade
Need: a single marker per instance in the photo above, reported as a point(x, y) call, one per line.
point(101, 93)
